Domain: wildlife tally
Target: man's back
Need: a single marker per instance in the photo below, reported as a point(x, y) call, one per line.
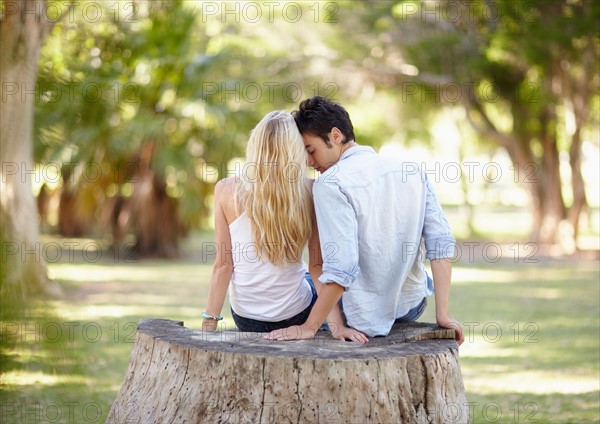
point(372, 212)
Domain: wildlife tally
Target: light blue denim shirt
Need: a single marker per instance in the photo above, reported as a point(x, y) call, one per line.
point(373, 213)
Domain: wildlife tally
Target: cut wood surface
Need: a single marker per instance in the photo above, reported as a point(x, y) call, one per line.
point(181, 375)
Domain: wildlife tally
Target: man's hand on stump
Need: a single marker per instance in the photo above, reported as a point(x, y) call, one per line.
point(450, 323)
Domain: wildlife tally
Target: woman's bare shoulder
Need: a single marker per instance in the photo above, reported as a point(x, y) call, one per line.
point(225, 185)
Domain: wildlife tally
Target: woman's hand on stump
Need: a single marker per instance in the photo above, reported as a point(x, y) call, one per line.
point(295, 332)
point(209, 324)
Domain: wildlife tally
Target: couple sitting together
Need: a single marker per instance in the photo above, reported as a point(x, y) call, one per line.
point(363, 220)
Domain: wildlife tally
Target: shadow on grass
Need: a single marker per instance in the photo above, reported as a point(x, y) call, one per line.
point(43, 377)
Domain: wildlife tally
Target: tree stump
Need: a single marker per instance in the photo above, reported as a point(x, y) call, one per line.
point(179, 375)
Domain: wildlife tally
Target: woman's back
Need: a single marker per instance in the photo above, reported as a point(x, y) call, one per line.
point(260, 289)
point(263, 220)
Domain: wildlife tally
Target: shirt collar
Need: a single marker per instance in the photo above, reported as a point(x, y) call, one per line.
point(357, 150)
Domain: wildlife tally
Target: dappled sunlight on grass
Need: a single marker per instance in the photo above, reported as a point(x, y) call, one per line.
point(469, 275)
point(496, 368)
point(25, 378)
point(546, 293)
point(481, 349)
point(164, 272)
point(534, 382)
point(506, 273)
point(115, 311)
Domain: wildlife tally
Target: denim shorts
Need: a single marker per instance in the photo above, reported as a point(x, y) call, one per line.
point(247, 324)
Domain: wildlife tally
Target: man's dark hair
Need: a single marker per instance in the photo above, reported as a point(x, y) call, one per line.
point(319, 115)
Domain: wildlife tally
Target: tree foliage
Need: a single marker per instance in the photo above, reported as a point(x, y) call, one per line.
point(526, 74)
point(142, 115)
point(142, 111)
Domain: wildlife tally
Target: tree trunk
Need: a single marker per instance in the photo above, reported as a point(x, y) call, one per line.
point(21, 37)
point(71, 221)
point(157, 222)
point(176, 374)
point(579, 197)
point(465, 186)
point(152, 212)
point(579, 91)
point(549, 208)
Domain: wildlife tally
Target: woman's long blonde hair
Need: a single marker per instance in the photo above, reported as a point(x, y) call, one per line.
point(275, 194)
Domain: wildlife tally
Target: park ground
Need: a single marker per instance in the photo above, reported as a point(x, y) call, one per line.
point(532, 326)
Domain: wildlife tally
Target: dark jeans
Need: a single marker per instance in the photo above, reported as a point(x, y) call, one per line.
point(412, 315)
point(415, 312)
point(418, 310)
point(247, 324)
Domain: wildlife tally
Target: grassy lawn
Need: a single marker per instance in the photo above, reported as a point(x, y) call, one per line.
point(532, 350)
point(531, 354)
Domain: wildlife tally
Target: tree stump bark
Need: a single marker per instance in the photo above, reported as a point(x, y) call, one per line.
point(179, 375)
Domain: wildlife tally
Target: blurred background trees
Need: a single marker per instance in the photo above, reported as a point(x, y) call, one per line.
point(526, 75)
point(141, 106)
point(140, 115)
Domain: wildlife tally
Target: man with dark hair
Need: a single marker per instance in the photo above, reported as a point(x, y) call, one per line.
point(373, 213)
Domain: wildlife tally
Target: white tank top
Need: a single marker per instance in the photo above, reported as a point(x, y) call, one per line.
point(259, 289)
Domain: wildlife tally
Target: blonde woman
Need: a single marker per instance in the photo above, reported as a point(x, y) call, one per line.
point(263, 221)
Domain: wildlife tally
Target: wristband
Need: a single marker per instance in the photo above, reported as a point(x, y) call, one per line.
point(209, 316)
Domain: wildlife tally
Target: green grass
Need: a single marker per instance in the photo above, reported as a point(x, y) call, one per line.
point(542, 367)
point(532, 349)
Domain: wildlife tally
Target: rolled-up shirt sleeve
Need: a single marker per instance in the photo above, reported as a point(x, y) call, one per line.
point(338, 233)
point(439, 242)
